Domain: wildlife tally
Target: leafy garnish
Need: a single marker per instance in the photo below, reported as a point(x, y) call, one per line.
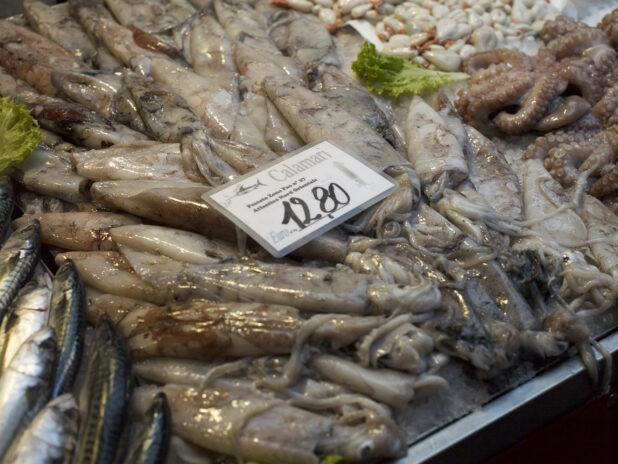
point(332, 459)
point(329, 459)
point(19, 133)
point(394, 76)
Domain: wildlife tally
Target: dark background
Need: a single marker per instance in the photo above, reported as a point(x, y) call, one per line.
point(12, 7)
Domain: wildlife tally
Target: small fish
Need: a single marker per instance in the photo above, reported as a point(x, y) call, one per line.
point(18, 258)
point(7, 200)
point(28, 314)
point(151, 439)
point(242, 190)
point(69, 322)
point(107, 389)
point(51, 436)
point(26, 384)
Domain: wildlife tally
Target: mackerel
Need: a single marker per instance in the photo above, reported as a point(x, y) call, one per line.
point(107, 389)
point(18, 258)
point(69, 322)
point(26, 385)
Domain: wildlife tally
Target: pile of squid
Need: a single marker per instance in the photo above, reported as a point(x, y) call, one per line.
point(59, 404)
point(568, 92)
point(146, 105)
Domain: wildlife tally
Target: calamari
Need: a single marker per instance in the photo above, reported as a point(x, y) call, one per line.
point(32, 57)
point(78, 231)
point(260, 429)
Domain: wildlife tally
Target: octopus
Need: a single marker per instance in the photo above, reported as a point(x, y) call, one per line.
point(512, 93)
point(588, 149)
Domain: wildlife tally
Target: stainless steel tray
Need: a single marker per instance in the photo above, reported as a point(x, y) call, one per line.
point(512, 416)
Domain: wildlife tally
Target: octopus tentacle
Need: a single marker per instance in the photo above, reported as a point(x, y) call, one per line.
point(533, 107)
point(483, 104)
point(540, 148)
point(602, 155)
point(558, 27)
point(582, 73)
point(576, 41)
point(587, 123)
point(565, 111)
point(562, 161)
point(604, 58)
point(544, 60)
point(609, 25)
point(481, 60)
point(611, 135)
point(607, 106)
point(515, 93)
point(606, 184)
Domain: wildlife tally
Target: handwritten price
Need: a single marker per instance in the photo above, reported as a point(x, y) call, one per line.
point(330, 200)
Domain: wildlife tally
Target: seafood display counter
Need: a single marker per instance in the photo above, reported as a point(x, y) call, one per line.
point(516, 414)
point(474, 304)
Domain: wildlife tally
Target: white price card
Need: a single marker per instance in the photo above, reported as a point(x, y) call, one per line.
point(287, 203)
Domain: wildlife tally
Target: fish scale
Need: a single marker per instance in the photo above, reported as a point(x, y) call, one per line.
point(108, 382)
point(18, 259)
point(28, 379)
point(69, 321)
point(151, 439)
point(7, 200)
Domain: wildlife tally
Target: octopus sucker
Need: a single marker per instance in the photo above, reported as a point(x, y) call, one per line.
point(606, 184)
point(566, 162)
point(606, 107)
point(609, 25)
point(582, 74)
point(533, 106)
point(576, 41)
point(556, 28)
point(483, 102)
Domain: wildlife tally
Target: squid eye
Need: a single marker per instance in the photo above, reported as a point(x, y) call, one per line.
point(365, 451)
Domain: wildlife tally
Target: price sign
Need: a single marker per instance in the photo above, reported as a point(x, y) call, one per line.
point(285, 204)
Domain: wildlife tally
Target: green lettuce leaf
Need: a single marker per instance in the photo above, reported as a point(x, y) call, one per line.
point(394, 76)
point(19, 133)
point(330, 459)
